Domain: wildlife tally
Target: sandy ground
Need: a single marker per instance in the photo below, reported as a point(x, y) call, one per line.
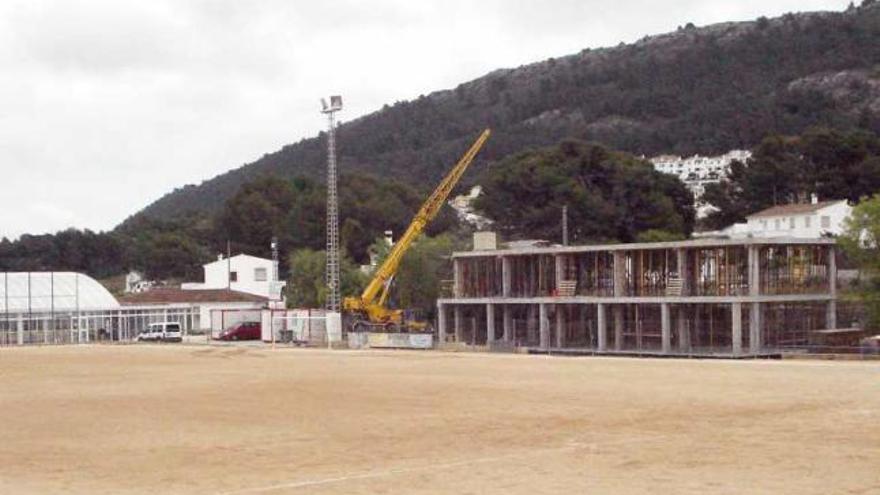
point(182, 419)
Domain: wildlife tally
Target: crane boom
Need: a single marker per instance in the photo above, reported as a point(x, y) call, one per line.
point(381, 281)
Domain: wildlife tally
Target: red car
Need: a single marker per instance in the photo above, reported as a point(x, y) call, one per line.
point(246, 330)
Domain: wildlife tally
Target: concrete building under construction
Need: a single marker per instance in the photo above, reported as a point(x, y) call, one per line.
point(717, 297)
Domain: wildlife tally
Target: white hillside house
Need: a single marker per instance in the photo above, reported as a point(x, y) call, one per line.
point(815, 219)
point(242, 273)
point(803, 221)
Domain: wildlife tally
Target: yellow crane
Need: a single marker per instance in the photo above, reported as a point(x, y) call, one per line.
point(370, 310)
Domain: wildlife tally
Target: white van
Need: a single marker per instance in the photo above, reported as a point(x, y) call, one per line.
point(167, 331)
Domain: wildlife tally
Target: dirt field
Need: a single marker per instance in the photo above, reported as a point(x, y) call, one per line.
point(181, 419)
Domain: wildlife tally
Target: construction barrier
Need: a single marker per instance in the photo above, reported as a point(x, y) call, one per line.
point(400, 340)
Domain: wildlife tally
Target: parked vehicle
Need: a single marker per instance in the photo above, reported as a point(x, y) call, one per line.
point(246, 330)
point(168, 331)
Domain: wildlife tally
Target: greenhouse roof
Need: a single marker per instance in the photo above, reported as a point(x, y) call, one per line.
point(43, 292)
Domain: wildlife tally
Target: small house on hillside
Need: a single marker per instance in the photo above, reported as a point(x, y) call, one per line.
point(801, 221)
point(811, 220)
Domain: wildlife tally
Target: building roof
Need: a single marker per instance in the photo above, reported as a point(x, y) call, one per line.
point(202, 296)
point(796, 209)
point(238, 257)
point(52, 291)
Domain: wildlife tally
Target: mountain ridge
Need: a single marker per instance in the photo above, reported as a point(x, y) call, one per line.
point(705, 90)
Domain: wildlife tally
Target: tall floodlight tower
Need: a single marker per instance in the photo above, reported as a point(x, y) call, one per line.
point(332, 205)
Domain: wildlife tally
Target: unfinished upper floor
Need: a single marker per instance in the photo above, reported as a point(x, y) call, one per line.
point(718, 268)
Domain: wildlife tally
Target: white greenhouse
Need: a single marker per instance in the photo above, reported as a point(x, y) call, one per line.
point(47, 292)
point(67, 307)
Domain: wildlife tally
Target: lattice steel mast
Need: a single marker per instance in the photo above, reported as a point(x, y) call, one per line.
point(333, 297)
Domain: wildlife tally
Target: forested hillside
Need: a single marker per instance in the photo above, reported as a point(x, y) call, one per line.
point(701, 90)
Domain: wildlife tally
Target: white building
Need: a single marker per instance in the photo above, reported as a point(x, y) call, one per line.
point(809, 220)
point(698, 171)
point(241, 273)
point(211, 309)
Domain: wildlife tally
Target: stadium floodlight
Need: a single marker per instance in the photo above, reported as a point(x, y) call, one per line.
point(332, 274)
point(334, 106)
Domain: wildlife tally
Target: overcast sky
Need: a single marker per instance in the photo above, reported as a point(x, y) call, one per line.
point(107, 105)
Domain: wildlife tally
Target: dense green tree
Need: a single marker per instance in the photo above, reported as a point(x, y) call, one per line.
point(610, 195)
point(257, 213)
point(295, 213)
point(840, 164)
point(307, 287)
point(171, 255)
point(187, 239)
point(98, 254)
point(861, 242)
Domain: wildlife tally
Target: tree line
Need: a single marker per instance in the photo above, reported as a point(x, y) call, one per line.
point(292, 211)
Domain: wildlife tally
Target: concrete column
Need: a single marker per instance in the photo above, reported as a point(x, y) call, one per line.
point(665, 333)
point(458, 279)
point(490, 324)
point(560, 269)
point(736, 328)
point(441, 322)
point(832, 271)
point(681, 261)
point(618, 326)
point(506, 276)
point(754, 271)
point(831, 309)
point(619, 274)
point(601, 328)
point(544, 327)
point(582, 322)
point(459, 330)
point(20, 328)
point(755, 334)
point(831, 315)
point(560, 326)
point(531, 324)
point(508, 323)
point(684, 337)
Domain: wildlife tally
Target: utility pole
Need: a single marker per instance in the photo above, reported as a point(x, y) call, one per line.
point(274, 285)
point(333, 298)
point(565, 225)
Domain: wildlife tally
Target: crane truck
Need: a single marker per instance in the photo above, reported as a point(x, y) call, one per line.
point(370, 312)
